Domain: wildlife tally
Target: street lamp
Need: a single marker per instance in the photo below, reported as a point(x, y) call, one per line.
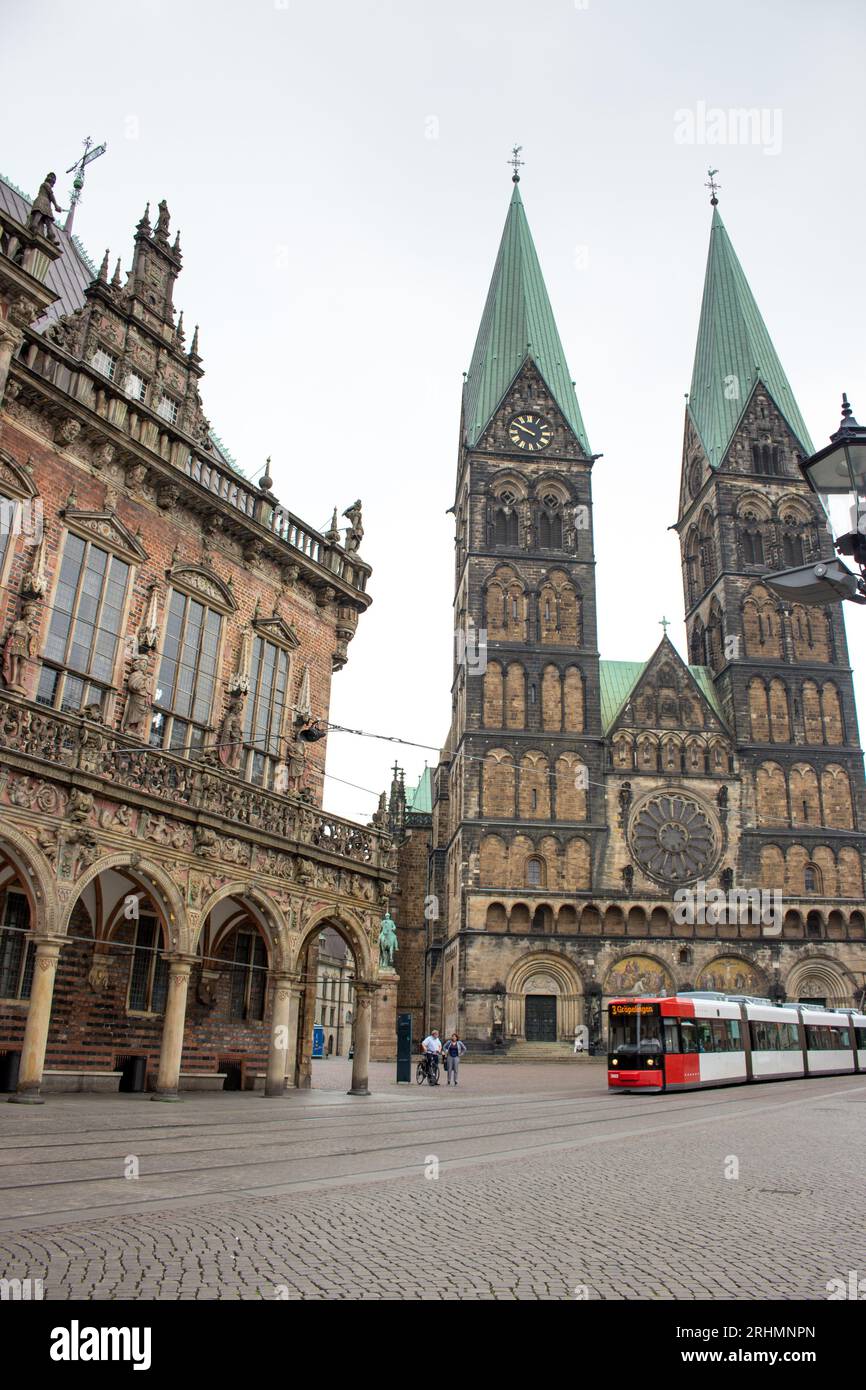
point(837, 474)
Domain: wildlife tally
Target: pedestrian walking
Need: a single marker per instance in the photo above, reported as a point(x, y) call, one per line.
point(453, 1050)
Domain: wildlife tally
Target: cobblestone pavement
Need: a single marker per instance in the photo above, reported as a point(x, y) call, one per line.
point(549, 1188)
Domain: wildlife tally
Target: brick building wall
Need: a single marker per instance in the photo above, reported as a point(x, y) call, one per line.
point(206, 810)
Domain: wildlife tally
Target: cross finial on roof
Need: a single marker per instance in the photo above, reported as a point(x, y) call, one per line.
point(713, 186)
point(515, 161)
point(664, 625)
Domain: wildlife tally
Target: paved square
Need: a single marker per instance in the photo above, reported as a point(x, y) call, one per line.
point(530, 1182)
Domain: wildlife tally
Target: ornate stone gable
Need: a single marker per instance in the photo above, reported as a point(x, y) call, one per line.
point(529, 391)
point(107, 529)
point(276, 629)
point(15, 479)
point(667, 697)
point(203, 583)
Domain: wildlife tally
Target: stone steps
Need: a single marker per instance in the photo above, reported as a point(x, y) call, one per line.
point(561, 1052)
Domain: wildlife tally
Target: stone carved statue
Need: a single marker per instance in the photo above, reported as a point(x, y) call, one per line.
point(387, 942)
point(137, 710)
point(17, 650)
point(41, 220)
point(355, 533)
point(230, 736)
point(162, 221)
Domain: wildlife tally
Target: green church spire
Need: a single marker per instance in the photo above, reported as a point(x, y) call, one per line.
point(734, 352)
point(517, 324)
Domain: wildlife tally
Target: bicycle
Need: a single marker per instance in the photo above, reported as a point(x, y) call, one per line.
point(428, 1070)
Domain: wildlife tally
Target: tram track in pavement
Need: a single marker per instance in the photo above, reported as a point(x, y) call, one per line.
point(344, 1111)
point(572, 1131)
point(606, 1109)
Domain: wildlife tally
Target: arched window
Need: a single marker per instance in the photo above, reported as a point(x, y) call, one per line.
point(535, 875)
point(17, 956)
point(793, 550)
point(550, 523)
point(752, 541)
point(814, 925)
point(707, 551)
point(249, 977)
point(812, 879)
point(693, 578)
point(505, 523)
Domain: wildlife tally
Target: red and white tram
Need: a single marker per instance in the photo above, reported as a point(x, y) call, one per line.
point(707, 1039)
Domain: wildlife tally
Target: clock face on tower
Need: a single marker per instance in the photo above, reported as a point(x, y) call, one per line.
point(529, 432)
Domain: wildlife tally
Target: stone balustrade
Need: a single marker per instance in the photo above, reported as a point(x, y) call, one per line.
point(145, 427)
point(82, 745)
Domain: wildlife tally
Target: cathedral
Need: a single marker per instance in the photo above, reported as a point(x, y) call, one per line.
point(585, 815)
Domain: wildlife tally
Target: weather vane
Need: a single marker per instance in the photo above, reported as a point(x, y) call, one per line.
point(78, 169)
point(515, 161)
point(713, 186)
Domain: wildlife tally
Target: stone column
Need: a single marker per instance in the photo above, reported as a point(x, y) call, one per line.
point(38, 1019)
point(281, 1045)
point(297, 990)
point(172, 1029)
point(364, 991)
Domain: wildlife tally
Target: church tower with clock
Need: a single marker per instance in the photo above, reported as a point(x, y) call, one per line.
point(526, 764)
point(583, 809)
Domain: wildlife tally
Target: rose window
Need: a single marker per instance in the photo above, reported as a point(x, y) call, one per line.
point(674, 838)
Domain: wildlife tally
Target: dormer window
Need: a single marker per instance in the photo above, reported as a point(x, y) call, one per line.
point(168, 408)
point(104, 362)
point(135, 386)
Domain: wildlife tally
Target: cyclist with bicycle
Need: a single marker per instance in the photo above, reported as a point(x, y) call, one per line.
point(431, 1048)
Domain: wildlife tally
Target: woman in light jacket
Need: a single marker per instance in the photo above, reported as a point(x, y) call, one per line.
point(452, 1052)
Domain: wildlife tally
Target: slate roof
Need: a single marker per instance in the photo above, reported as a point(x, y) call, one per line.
point(68, 276)
point(733, 342)
point(517, 324)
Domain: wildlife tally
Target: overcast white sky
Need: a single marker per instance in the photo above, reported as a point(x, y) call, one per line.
point(338, 173)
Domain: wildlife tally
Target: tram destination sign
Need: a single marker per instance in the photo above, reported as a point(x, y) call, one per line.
point(617, 1010)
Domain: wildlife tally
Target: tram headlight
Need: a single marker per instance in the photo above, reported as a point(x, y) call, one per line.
point(615, 1062)
point(649, 1062)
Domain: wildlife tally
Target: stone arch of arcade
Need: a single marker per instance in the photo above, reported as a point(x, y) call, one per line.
point(304, 964)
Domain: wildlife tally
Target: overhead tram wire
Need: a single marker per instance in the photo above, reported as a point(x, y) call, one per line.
point(312, 771)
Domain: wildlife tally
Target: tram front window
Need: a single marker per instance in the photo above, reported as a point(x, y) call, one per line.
point(633, 1033)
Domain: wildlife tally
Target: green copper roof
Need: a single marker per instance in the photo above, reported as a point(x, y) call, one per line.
point(517, 324)
point(419, 799)
point(704, 679)
point(618, 679)
point(733, 342)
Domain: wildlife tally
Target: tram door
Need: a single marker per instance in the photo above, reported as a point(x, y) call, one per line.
point(541, 1018)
